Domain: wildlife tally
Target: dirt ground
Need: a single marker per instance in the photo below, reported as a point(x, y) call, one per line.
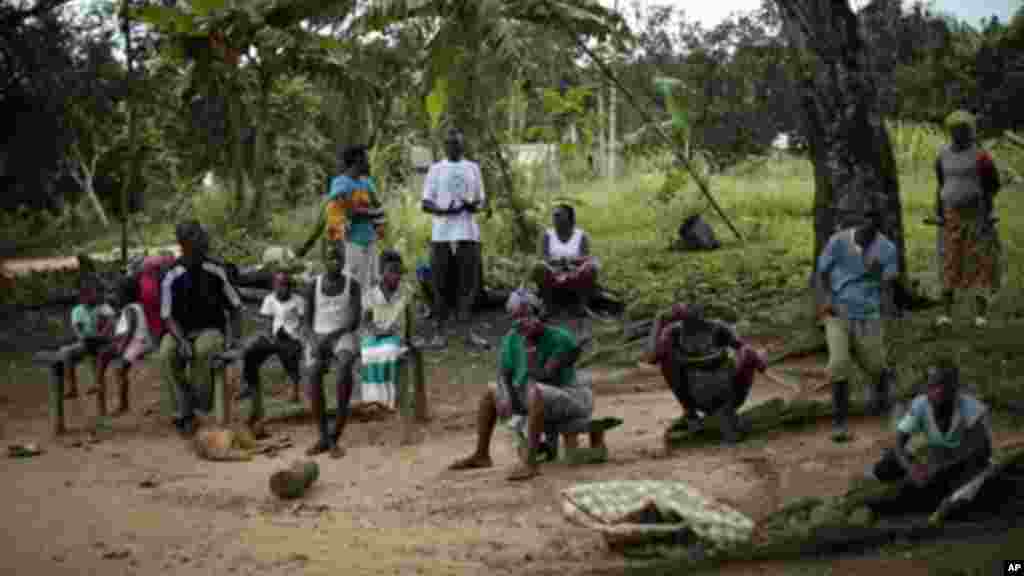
point(139, 501)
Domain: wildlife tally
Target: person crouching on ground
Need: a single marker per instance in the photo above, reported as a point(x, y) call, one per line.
point(285, 309)
point(958, 442)
point(859, 267)
point(333, 314)
point(567, 273)
point(706, 365)
point(537, 377)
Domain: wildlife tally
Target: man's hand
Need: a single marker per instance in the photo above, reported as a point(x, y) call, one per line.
point(826, 310)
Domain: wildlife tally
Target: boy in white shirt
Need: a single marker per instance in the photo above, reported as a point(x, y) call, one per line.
point(453, 193)
point(285, 309)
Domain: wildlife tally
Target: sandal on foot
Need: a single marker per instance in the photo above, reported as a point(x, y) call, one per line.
point(471, 463)
point(841, 434)
point(523, 472)
point(605, 424)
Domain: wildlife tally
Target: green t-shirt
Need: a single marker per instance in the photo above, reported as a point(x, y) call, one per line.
point(86, 316)
point(552, 343)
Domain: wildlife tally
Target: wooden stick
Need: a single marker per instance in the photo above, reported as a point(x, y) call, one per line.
point(774, 377)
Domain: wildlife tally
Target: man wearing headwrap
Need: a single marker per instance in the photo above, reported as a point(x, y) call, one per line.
point(536, 377)
point(858, 268)
point(706, 365)
point(958, 442)
point(967, 185)
point(285, 310)
point(201, 311)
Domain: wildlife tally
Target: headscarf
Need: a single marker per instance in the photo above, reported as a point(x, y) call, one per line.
point(961, 118)
point(523, 297)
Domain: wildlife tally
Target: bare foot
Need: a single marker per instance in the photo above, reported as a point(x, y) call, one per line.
point(121, 411)
point(319, 448)
point(338, 451)
point(523, 472)
point(474, 462)
point(71, 394)
point(92, 391)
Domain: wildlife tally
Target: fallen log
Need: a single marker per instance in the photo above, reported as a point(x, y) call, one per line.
point(294, 481)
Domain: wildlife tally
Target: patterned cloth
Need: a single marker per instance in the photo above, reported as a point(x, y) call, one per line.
point(379, 373)
point(969, 250)
point(713, 522)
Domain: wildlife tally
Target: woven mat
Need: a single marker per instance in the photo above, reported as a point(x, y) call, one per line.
point(604, 505)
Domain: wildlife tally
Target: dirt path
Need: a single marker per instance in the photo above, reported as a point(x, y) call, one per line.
point(383, 509)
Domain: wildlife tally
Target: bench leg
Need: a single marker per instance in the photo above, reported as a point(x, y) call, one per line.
point(419, 386)
point(221, 396)
point(56, 399)
point(406, 402)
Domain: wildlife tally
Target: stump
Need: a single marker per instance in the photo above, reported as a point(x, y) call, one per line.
point(293, 481)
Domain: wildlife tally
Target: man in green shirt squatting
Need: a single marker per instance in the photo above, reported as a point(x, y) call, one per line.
point(536, 378)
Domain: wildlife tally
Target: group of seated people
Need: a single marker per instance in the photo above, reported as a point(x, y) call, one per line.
point(539, 393)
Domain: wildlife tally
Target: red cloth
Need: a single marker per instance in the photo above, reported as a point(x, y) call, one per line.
point(149, 292)
point(583, 279)
point(987, 173)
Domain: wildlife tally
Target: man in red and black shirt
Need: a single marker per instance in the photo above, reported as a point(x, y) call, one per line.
point(200, 309)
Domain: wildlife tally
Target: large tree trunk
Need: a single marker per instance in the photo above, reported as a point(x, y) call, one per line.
point(847, 136)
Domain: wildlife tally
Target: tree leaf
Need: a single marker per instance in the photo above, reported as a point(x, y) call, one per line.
point(437, 101)
point(206, 7)
point(167, 19)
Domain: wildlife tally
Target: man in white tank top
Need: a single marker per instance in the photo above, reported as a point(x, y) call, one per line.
point(567, 273)
point(333, 313)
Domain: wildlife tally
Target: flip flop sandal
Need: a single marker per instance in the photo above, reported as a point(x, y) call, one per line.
point(23, 450)
point(470, 463)
point(605, 424)
point(337, 451)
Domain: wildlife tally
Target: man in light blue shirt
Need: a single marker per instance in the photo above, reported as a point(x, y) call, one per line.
point(858, 267)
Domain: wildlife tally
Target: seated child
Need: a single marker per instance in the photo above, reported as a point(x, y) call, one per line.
point(285, 309)
point(389, 325)
point(91, 322)
point(132, 340)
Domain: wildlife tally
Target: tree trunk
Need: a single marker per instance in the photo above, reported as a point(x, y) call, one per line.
point(849, 145)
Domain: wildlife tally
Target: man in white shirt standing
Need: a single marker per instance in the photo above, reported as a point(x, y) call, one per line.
point(453, 193)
